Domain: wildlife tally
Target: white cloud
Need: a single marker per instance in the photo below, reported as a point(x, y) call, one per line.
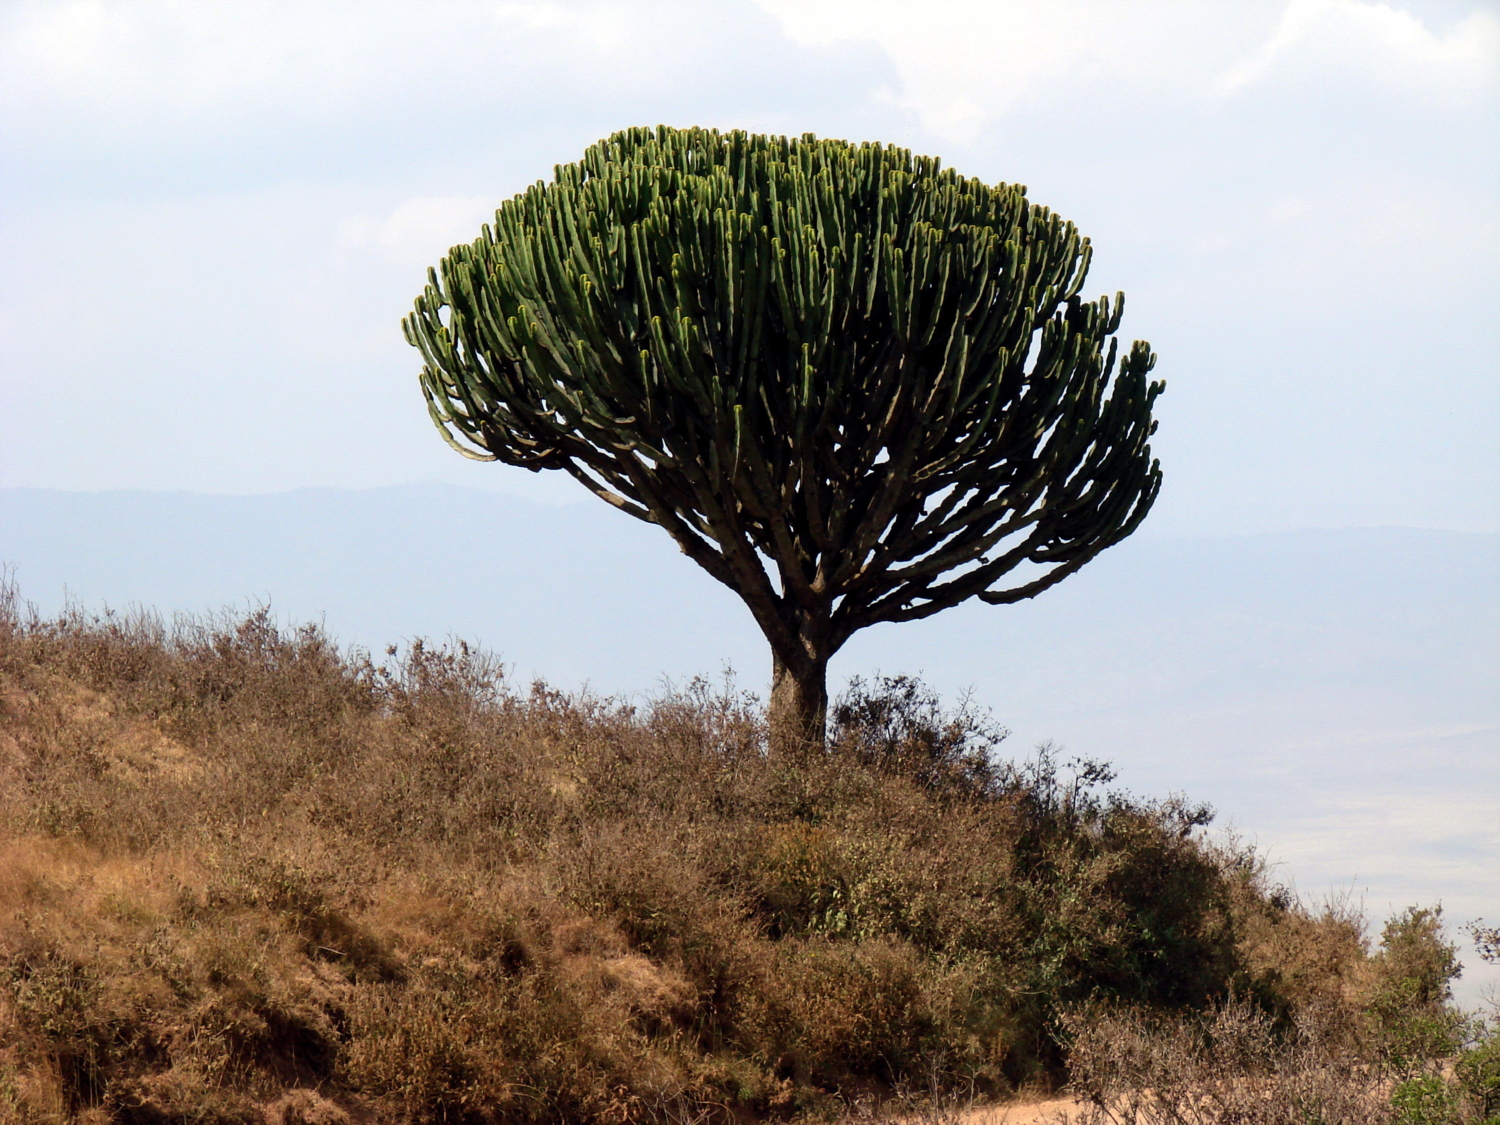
point(1383, 43)
point(72, 41)
point(177, 60)
point(186, 61)
point(1290, 208)
point(605, 29)
point(964, 63)
point(420, 229)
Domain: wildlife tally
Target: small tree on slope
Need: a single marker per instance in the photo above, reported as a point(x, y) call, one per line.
point(851, 385)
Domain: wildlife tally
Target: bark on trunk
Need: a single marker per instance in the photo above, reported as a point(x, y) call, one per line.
point(799, 706)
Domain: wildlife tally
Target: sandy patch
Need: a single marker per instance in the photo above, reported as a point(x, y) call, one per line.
point(1050, 1111)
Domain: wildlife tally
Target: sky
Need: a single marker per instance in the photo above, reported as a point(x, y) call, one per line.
point(213, 217)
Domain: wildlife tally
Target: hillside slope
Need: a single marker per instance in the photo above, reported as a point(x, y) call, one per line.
point(242, 875)
point(1335, 692)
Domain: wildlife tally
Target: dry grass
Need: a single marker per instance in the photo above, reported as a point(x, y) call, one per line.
point(1400, 1056)
point(1229, 1066)
point(246, 877)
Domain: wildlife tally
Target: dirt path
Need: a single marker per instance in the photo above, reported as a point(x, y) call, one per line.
point(1052, 1111)
point(1036, 1113)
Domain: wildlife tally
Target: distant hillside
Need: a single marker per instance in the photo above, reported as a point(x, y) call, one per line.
point(1335, 693)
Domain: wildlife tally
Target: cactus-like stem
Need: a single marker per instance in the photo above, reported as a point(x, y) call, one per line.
point(851, 385)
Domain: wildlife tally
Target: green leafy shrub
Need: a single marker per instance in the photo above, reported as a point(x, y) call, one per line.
point(1409, 1004)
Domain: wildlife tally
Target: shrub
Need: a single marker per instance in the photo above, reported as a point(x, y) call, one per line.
point(1134, 1067)
point(1420, 1061)
point(1409, 1002)
point(242, 873)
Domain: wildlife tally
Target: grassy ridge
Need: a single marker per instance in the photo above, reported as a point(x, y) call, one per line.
point(246, 877)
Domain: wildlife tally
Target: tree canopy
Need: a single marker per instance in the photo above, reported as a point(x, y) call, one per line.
point(851, 384)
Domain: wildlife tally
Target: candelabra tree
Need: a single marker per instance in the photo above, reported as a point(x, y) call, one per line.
point(852, 385)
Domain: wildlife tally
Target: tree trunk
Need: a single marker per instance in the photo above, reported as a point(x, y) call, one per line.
point(799, 706)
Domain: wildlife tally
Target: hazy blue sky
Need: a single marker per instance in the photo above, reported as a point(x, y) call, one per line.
point(213, 216)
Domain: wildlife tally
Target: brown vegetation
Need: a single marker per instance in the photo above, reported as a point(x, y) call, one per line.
point(1394, 1052)
point(245, 877)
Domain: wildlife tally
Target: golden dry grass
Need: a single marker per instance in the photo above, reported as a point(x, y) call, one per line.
point(246, 877)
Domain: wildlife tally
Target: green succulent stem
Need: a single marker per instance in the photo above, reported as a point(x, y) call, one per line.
point(850, 384)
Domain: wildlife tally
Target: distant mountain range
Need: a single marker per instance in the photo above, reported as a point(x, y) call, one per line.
point(1334, 693)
